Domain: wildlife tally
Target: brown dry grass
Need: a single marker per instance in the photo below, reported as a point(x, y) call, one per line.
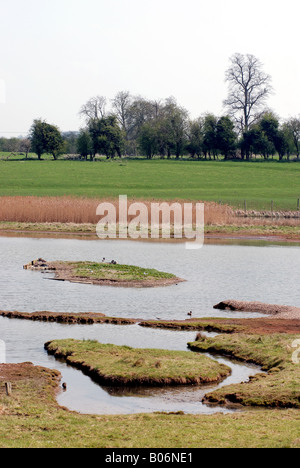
point(48, 210)
point(72, 210)
point(83, 210)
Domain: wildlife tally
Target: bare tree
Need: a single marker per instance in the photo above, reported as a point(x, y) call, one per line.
point(13, 145)
point(95, 108)
point(25, 146)
point(121, 105)
point(249, 88)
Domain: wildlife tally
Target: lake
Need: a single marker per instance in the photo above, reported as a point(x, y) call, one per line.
point(213, 273)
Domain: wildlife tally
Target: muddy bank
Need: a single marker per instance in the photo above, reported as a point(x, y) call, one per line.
point(260, 326)
point(46, 379)
point(218, 325)
point(15, 372)
point(78, 318)
point(259, 307)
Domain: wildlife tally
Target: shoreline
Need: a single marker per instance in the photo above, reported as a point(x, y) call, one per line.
point(267, 233)
point(49, 425)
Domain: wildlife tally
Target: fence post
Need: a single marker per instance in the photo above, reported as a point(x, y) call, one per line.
point(298, 204)
point(8, 388)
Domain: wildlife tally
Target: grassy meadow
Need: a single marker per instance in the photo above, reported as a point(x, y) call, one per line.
point(231, 182)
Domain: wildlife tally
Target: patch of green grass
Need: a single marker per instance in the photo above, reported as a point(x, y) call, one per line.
point(278, 387)
point(106, 271)
point(128, 366)
point(256, 230)
point(230, 182)
point(48, 227)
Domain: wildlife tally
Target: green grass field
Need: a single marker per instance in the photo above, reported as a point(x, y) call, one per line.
point(259, 183)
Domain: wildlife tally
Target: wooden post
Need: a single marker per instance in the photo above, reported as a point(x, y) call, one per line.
point(8, 388)
point(298, 204)
point(245, 205)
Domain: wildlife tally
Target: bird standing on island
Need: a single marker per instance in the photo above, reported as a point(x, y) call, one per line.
point(190, 313)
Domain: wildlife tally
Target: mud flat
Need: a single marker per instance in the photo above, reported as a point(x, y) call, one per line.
point(121, 366)
point(259, 307)
point(105, 274)
point(78, 318)
point(263, 326)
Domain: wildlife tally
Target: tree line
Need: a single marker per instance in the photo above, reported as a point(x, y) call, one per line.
point(130, 125)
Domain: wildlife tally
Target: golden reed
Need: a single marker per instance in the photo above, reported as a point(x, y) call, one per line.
point(83, 210)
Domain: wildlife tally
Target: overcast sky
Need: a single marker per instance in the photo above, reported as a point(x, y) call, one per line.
point(56, 54)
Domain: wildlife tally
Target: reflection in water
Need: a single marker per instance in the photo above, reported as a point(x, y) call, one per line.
point(116, 400)
point(25, 342)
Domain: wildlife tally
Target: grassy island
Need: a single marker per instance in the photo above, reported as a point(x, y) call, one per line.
point(122, 365)
point(110, 274)
point(278, 387)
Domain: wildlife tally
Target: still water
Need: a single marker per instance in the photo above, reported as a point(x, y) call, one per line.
point(212, 274)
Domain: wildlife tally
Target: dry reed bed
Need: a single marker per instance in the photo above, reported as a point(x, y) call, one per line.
point(83, 210)
point(72, 210)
